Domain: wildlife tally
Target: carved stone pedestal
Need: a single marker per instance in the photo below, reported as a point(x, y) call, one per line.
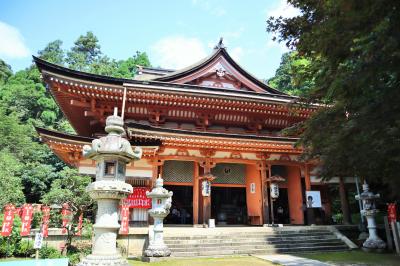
point(373, 242)
point(98, 260)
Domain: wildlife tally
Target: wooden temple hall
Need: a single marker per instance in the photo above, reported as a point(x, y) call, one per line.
point(210, 121)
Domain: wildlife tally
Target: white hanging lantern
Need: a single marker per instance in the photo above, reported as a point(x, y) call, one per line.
point(274, 190)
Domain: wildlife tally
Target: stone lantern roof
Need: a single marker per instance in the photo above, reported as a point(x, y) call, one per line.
point(112, 144)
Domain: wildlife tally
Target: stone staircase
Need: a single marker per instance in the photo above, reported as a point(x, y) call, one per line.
point(251, 240)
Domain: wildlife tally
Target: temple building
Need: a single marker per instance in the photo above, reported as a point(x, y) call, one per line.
point(211, 124)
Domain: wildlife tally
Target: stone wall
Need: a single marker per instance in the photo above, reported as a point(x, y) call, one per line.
point(131, 245)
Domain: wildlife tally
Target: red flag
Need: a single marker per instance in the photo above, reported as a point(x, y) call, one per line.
point(80, 220)
point(26, 219)
point(124, 213)
point(66, 218)
point(8, 220)
point(392, 214)
point(45, 221)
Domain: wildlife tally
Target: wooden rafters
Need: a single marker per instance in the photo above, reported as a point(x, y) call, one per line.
point(75, 98)
point(213, 143)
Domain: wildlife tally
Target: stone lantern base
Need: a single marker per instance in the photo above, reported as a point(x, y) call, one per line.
point(97, 260)
point(157, 251)
point(374, 245)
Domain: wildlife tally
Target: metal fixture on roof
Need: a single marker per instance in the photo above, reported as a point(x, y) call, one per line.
point(220, 44)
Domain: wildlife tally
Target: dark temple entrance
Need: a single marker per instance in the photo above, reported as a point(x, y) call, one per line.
point(182, 210)
point(281, 207)
point(228, 205)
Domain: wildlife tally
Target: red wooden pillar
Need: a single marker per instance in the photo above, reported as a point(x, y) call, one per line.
point(295, 195)
point(196, 194)
point(206, 200)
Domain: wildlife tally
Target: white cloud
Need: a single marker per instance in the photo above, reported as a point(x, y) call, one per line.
point(283, 9)
point(178, 51)
point(12, 43)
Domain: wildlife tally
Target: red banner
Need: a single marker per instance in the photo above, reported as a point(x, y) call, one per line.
point(8, 220)
point(138, 199)
point(26, 219)
point(45, 220)
point(124, 213)
point(66, 218)
point(392, 213)
point(80, 221)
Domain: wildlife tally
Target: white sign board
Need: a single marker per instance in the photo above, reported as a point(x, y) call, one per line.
point(38, 241)
point(252, 188)
point(313, 199)
point(205, 188)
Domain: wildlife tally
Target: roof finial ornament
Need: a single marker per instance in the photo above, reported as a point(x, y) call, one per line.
point(220, 44)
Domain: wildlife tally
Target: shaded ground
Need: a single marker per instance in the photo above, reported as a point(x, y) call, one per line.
point(355, 258)
point(230, 261)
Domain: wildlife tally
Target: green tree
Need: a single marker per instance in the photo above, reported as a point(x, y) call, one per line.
point(25, 103)
point(127, 68)
point(353, 47)
point(5, 72)
point(86, 51)
point(15, 138)
point(292, 75)
point(25, 95)
point(70, 188)
point(53, 53)
point(10, 182)
point(104, 66)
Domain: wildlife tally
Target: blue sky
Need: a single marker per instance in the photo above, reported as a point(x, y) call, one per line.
point(174, 33)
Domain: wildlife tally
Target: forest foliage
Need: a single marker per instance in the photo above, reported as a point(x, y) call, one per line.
point(353, 48)
point(29, 171)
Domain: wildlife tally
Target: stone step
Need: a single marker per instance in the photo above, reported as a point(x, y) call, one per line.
point(195, 253)
point(261, 231)
point(244, 240)
point(249, 239)
point(244, 236)
point(259, 243)
point(253, 247)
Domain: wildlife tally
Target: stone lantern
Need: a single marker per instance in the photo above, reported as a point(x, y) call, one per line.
point(161, 203)
point(112, 153)
point(368, 198)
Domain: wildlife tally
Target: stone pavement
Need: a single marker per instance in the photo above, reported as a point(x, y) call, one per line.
point(290, 260)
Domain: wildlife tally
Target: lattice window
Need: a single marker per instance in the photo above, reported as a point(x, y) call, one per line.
point(229, 173)
point(178, 171)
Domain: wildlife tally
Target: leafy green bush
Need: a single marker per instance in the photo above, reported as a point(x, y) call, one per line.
point(74, 258)
point(24, 249)
point(337, 218)
point(36, 219)
point(8, 245)
point(49, 253)
point(87, 229)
